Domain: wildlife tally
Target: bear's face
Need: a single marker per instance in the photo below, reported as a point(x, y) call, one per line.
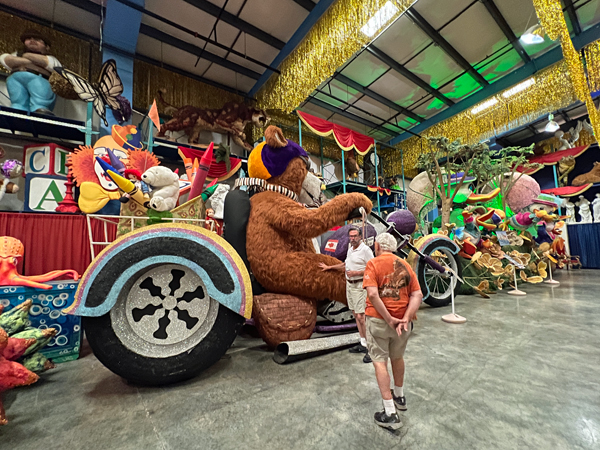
point(293, 177)
point(159, 176)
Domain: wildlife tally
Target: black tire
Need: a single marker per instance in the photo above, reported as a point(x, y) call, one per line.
point(154, 303)
point(159, 371)
point(425, 272)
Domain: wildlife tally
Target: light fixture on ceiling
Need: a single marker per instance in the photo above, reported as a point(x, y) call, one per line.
point(519, 87)
point(533, 35)
point(379, 19)
point(551, 126)
point(485, 105)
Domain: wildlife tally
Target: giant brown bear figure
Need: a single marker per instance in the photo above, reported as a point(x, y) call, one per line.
point(279, 247)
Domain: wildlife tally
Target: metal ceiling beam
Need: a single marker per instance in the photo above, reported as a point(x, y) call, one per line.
point(96, 9)
point(88, 6)
point(564, 115)
point(385, 122)
point(532, 129)
point(572, 16)
point(306, 4)
point(522, 73)
point(293, 42)
point(439, 40)
point(506, 29)
point(189, 75)
point(375, 96)
point(137, 56)
point(341, 112)
point(197, 51)
point(386, 59)
point(236, 22)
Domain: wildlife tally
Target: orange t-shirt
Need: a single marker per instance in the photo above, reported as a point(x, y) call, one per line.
point(395, 279)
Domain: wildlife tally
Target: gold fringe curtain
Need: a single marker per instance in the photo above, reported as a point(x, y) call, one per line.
point(553, 21)
point(552, 90)
point(180, 90)
point(74, 54)
point(328, 45)
point(592, 60)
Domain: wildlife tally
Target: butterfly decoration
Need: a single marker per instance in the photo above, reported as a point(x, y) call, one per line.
point(104, 92)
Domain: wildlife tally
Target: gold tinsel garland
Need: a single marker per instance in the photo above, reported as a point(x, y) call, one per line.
point(552, 90)
point(592, 60)
point(180, 90)
point(327, 46)
point(553, 21)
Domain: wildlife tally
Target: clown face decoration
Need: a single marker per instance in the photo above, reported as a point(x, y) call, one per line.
point(97, 191)
point(100, 150)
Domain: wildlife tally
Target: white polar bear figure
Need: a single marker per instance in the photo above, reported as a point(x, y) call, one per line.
point(165, 187)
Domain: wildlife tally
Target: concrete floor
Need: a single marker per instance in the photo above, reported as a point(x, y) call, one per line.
point(521, 373)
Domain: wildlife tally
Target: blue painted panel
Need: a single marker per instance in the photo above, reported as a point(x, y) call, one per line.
point(46, 312)
point(121, 30)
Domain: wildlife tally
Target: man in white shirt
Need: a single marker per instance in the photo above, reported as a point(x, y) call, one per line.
point(27, 85)
point(356, 261)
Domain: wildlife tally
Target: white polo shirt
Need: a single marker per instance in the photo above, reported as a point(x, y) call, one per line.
point(357, 259)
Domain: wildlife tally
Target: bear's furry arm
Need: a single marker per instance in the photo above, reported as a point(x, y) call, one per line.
point(296, 220)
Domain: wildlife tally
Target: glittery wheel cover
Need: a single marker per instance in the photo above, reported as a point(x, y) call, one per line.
point(165, 312)
point(237, 297)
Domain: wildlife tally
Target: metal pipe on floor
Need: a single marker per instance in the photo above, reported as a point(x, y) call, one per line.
point(308, 348)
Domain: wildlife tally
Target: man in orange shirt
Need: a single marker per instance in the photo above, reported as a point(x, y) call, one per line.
point(394, 296)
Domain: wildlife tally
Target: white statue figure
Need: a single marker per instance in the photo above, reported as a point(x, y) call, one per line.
point(565, 144)
point(570, 212)
point(584, 210)
point(596, 208)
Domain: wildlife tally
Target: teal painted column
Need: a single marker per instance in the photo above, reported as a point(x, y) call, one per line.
point(377, 177)
point(120, 33)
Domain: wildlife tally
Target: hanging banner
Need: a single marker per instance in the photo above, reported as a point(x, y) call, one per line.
point(346, 138)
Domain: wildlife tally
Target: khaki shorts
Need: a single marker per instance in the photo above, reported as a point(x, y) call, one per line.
point(356, 296)
point(383, 342)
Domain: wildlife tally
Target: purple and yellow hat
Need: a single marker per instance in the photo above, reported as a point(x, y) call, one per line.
point(271, 157)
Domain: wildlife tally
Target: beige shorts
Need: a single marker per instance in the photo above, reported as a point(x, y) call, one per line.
point(356, 296)
point(383, 342)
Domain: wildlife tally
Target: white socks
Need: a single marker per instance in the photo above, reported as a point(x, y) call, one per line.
point(363, 341)
point(389, 407)
point(399, 391)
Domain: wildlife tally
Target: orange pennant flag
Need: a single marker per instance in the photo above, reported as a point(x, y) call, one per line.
point(153, 114)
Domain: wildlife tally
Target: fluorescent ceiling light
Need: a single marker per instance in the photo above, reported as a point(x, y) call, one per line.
point(485, 105)
point(379, 19)
point(534, 35)
point(551, 126)
point(519, 88)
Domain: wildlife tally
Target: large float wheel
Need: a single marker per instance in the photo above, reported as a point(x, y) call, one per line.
point(437, 287)
point(166, 324)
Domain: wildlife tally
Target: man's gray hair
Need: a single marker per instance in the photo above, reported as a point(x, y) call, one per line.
point(387, 242)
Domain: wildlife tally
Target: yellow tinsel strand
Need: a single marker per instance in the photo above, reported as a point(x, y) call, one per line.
point(592, 59)
point(552, 90)
point(553, 21)
point(328, 45)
